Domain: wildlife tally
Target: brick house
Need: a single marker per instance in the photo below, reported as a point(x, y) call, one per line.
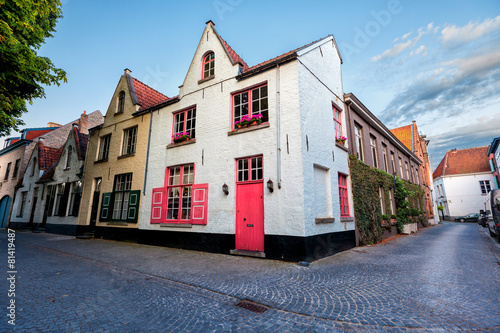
point(116, 160)
point(13, 159)
point(462, 180)
point(417, 143)
point(276, 189)
point(375, 145)
point(28, 207)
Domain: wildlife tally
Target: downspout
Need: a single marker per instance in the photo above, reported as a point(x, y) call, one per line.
point(278, 143)
point(147, 154)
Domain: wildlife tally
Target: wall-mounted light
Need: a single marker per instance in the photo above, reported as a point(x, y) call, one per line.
point(270, 186)
point(225, 189)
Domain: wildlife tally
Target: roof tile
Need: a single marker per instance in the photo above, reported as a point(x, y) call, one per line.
point(147, 96)
point(463, 161)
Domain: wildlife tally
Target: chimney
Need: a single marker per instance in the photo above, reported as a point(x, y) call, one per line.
point(127, 71)
point(51, 124)
point(83, 123)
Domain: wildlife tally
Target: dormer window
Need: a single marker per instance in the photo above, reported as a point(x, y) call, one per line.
point(121, 102)
point(208, 65)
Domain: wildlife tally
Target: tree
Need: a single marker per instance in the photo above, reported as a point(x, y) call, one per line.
point(24, 25)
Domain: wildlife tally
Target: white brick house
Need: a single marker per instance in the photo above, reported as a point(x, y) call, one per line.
point(283, 197)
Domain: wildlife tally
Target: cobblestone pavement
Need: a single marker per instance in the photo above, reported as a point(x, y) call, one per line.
point(443, 278)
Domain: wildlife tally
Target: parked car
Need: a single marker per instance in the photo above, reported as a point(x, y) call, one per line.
point(473, 217)
point(493, 201)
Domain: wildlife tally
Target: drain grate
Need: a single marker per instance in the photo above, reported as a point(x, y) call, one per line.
point(252, 307)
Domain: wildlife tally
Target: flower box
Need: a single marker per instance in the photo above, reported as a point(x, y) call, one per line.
point(181, 136)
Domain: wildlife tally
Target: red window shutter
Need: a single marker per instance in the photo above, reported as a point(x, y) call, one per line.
point(199, 204)
point(157, 205)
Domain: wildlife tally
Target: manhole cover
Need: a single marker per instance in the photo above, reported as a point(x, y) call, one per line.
point(252, 307)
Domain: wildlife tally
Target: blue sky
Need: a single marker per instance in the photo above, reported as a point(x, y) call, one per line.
point(436, 62)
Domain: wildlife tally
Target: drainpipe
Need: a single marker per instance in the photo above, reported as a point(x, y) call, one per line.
point(278, 144)
point(147, 154)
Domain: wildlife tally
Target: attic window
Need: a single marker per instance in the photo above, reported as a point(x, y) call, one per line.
point(121, 102)
point(68, 157)
point(208, 66)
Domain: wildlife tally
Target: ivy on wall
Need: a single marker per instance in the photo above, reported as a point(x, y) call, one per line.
point(366, 184)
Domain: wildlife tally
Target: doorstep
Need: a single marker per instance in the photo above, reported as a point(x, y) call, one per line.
point(247, 253)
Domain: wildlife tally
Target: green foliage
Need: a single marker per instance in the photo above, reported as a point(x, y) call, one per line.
point(366, 182)
point(439, 207)
point(24, 25)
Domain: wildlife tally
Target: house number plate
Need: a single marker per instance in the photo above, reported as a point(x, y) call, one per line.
point(249, 225)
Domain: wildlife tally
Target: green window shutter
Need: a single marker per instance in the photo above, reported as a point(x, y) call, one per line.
point(106, 207)
point(133, 206)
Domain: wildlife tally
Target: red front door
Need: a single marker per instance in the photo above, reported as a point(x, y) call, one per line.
point(250, 205)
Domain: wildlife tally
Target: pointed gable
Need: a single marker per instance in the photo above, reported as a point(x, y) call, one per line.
point(463, 161)
point(404, 135)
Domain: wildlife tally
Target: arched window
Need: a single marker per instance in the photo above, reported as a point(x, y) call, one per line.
point(121, 102)
point(208, 65)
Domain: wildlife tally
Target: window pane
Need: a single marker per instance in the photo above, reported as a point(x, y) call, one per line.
point(175, 176)
point(173, 203)
point(187, 177)
point(186, 203)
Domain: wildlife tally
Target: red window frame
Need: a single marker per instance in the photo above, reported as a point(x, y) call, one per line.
point(181, 192)
point(343, 195)
point(246, 103)
point(337, 119)
point(208, 66)
point(250, 169)
point(188, 124)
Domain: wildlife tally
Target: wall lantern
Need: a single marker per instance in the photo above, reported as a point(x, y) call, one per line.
point(225, 189)
point(270, 186)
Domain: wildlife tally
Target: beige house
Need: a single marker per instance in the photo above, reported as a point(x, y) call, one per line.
point(116, 158)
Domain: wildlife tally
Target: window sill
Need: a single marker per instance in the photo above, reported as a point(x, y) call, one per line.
point(118, 113)
point(248, 129)
point(65, 169)
point(125, 156)
point(176, 225)
point(206, 79)
point(343, 147)
point(117, 223)
point(100, 161)
point(179, 144)
point(324, 220)
point(347, 219)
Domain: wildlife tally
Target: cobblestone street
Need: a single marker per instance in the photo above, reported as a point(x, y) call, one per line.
point(441, 279)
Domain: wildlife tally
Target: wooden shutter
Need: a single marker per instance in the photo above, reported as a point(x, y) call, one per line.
point(199, 204)
point(106, 207)
point(134, 200)
point(157, 205)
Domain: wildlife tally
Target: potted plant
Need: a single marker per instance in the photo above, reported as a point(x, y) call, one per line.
point(181, 136)
point(341, 140)
point(256, 119)
point(243, 122)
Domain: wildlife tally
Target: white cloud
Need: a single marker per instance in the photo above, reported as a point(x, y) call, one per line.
point(475, 65)
point(469, 32)
point(421, 49)
point(399, 48)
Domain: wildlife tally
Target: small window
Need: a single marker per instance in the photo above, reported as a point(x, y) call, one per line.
point(393, 162)
point(400, 167)
point(33, 167)
point(250, 169)
point(337, 119)
point(7, 172)
point(381, 196)
point(129, 141)
point(485, 186)
point(104, 148)
point(68, 157)
point(252, 103)
point(24, 195)
point(407, 171)
point(51, 194)
point(16, 168)
point(184, 125)
point(358, 133)
point(391, 200)
point(343, 195)
point(76, 194)
point(384, 152)
point(121, 102)
point(208, 65)
point(373, 145)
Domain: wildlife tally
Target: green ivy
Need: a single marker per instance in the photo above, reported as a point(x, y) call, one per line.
point(366, 182)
